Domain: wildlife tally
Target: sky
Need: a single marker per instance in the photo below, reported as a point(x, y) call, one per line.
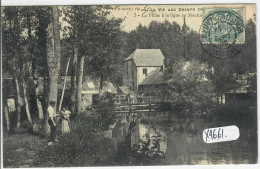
point(134, 15)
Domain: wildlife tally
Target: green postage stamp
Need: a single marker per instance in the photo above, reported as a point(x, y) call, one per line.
point(223, 25)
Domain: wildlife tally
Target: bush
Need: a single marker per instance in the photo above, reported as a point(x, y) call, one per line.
point(85, 145)
point(147, 152)
point(165, 106)
point(38, 127)
point(104, 110)
point(238, 112)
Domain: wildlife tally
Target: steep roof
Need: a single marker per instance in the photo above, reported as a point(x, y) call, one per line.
point(125, 90)
point(90, 87)
point(147, 57)
point(156, 77)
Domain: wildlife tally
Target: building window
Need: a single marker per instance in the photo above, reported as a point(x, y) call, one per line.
point(145, 72)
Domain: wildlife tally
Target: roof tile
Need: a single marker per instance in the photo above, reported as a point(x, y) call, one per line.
point(147, 57)
point(156, 77)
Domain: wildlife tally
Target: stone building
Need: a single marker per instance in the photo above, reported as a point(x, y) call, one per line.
point(139, 65)
point(153, 85)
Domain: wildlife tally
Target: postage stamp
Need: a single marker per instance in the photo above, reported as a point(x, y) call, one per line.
point(222, 31)
point(223, 25)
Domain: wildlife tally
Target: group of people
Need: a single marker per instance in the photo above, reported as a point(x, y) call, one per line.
point(53, 120)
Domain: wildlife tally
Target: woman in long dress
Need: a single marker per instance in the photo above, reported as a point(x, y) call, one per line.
point(65, 121)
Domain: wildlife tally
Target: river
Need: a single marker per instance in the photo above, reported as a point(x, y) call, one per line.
point(182, 140)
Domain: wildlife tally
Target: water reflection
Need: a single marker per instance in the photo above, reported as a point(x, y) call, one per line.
point(182, 142)
point(149, 132)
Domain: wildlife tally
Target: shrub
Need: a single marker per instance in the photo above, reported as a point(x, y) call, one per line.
point(85, 145)
point(147, 152)
point(104, 110)
point(165, 106)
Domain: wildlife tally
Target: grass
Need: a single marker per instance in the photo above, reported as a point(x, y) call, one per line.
point(85, 145)
point(19, 149)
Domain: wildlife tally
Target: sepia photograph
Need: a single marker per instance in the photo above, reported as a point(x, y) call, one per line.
point(128, 85)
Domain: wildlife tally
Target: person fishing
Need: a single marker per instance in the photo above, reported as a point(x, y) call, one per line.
point(52, 122)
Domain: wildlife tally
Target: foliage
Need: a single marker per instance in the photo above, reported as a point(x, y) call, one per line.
point(23, 29)
point(12, 37)
point(169, 37)
point(165, 106)
point(103, 61)
point(226, 71)
point(165, 36)
point(104, 110)
point(189, 87)
point(97, 38)
point(147, 152)
point(242, 113)
point(85, 145)
point(38, 127)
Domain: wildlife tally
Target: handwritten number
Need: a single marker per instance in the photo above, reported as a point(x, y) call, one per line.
point(214, 134)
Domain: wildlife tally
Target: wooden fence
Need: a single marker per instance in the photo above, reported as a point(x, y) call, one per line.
point(124, 99)
point(136, 108)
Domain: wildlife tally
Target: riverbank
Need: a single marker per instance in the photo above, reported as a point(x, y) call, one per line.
point(20, 149)
point(85, 145)
point(182, 141)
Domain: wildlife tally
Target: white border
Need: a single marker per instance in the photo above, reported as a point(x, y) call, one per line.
point(88, 2)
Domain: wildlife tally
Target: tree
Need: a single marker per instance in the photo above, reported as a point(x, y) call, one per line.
point(74, 80)
point(105, 62)
point(64, 85)
point(11, 48)
point(93, 37)
point(25, 45)
point(6, 112)
point(166, 36)
point(189, 88)
point(25, 97)
point(31, 44)
point(223, 79)
point(79, 82)
point(53, 54)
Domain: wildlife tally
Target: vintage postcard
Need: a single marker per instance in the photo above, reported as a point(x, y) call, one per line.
point(129, 85)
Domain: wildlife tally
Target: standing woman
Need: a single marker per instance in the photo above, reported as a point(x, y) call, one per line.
point(65, 120)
